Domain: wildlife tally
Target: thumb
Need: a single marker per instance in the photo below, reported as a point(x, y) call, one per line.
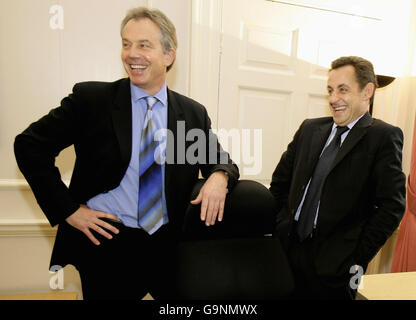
point(198, 199)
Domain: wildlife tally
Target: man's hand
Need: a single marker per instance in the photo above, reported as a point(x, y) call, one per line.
point(212, 197)
point(85, 219)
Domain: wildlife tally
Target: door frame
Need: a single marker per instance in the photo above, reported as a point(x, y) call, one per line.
point(205, 62)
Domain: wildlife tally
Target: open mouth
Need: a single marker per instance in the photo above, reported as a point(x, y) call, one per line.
point(137, 67)
point(339, 109)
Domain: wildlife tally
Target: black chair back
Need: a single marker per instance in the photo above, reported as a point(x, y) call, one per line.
point(236, 258)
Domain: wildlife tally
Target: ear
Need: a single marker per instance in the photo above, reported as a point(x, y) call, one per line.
point(368, 91)
point(170, 57)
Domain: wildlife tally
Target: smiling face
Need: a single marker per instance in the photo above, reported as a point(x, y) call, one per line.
point(347, 101)
point(143, 57)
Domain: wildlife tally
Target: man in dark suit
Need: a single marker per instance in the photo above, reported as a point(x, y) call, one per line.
point(122, 214)
point(340, 192)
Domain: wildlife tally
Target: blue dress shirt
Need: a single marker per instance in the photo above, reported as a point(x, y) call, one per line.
point(123, 200)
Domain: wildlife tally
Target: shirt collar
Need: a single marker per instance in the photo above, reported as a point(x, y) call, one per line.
point(137, 94)
point(350, 125)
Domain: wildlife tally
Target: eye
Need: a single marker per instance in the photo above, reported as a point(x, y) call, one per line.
point(125, 45)
point(144, 45)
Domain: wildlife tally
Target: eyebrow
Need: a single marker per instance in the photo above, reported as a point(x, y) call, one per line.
point(339, 86)
point(139, 41)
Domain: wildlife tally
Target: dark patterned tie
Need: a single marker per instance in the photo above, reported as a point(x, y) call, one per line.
point(310, 204)
point(150, 171)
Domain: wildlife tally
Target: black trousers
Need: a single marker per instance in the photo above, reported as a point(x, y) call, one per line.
point(128, 266)
point(308, 285)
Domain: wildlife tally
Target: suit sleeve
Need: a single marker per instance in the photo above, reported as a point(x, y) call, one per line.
point(217, 158)
point(390, 193)
point(36, 149)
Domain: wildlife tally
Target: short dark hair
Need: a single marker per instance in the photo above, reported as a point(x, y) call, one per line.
point(364, 71)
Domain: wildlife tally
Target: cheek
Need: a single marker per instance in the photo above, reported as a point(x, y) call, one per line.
point(123, 55)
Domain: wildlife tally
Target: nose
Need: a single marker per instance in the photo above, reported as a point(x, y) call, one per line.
point(135, 52)
point(332, 97)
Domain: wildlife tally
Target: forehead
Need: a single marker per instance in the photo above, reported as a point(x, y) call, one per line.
point(343, 75)
point(141, 29)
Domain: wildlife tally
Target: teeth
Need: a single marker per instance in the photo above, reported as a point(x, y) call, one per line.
point(137, 66)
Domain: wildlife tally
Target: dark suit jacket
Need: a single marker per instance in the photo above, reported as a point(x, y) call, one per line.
point(363, 198)
point(96, 118)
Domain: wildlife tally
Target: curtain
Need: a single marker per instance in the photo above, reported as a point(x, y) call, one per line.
point(404, 259)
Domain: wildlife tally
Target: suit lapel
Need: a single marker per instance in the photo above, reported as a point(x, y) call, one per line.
point(122, 119)
point(175, 114)
point(319, 137)
point(356, 134)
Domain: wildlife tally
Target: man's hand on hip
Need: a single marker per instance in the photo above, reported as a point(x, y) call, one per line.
point(85, 219)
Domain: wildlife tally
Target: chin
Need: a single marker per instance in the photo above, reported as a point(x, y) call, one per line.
point(339, 122)
point(135, 81)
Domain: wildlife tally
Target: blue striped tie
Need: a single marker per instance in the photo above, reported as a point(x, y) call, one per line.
point(150, 171)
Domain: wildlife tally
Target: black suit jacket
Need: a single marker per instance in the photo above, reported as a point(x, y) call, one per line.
point(97, 119)
point(363, 198)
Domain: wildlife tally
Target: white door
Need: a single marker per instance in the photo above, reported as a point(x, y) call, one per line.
point(273, 69)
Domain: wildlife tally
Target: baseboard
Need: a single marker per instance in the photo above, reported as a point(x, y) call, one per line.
point(41, 296)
